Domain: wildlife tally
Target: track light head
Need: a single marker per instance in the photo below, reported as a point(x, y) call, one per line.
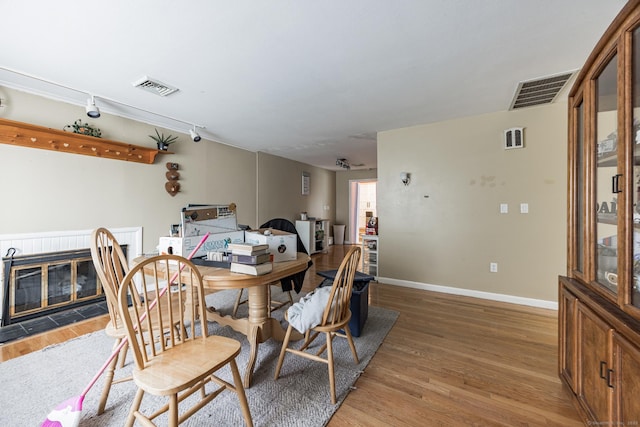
point(91, 109)
point(343, 163)
point(194, 135)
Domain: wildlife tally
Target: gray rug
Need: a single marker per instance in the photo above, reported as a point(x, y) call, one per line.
point(32, 385)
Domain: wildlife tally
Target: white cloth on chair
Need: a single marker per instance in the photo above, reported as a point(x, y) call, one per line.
point(307, 313)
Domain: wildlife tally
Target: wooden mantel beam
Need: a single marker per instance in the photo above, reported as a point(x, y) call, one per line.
point(33, 136)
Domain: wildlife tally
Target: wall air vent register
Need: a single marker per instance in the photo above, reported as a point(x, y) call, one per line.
point(154, 86)
point(540, 91)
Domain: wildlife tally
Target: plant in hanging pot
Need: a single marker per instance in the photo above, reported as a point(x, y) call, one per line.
point(163, 141)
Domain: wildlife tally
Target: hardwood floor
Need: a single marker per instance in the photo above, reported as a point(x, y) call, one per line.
point(448, 361)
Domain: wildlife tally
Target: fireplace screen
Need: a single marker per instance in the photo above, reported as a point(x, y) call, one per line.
point(44, 283)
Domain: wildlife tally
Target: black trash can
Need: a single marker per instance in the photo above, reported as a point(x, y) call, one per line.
point(359, 298)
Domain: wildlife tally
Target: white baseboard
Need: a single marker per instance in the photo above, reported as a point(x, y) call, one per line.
point(552, 305)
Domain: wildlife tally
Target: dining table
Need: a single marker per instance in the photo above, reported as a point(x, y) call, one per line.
point(258, 326)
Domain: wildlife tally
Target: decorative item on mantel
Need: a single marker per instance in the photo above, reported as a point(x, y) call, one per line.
point(163, 141)
point(172, 185)
point(83, 129)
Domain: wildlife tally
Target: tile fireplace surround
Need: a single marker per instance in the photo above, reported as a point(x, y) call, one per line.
point(47, 242)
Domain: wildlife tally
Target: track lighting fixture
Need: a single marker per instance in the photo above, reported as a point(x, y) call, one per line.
point(194, 135)
point(92, 110)
point(343, 163)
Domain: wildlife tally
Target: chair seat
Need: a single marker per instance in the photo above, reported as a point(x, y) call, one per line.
point(335, 326)
point(172, 371)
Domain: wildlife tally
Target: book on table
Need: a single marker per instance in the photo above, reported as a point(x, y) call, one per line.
point(254, 270)
point(250, 259)
point(248, 248)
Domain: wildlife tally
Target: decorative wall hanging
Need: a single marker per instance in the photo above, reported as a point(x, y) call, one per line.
point(305, 183)
point(172, 185)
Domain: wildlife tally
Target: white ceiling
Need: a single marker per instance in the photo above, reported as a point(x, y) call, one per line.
point(307, 80)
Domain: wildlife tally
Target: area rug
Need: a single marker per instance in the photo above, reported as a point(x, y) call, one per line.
point(32, 385)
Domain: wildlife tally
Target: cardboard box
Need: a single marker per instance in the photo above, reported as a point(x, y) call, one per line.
point(282, 245)
point(184, 245)
point(198, 220)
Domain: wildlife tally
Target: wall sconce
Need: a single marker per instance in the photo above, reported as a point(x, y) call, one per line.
point(172, 185)
point(405, 177)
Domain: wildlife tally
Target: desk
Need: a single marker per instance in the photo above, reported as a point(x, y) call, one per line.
point(259, 326)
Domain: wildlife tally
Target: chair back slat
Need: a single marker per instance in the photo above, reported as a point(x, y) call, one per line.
point(147, 322)
point(337, 307)
point(111, 267)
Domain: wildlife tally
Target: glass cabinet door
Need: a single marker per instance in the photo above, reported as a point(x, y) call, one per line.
point(635, 140)
point(579, 149)
point(608, 183)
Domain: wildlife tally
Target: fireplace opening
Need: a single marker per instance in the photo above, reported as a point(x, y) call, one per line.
point(41, 284)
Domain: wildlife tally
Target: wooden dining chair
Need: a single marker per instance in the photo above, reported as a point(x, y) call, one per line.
point(182, 363)
point(111, 266)
point(335, 318)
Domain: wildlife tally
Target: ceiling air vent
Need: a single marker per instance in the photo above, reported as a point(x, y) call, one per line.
point(539, 91)
point(154, 86)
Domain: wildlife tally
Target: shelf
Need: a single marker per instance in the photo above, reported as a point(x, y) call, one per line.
point(314, 234)
point(369, 254)
point(608, 160)
point(32, 136)
point(611, 159)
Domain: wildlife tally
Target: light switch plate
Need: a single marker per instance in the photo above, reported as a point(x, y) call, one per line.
point(504, 208)
point(524, 208)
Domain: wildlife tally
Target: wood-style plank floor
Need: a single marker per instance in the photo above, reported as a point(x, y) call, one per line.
point(448, 361)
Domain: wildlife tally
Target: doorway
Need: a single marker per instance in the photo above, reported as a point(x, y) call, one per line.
point(362, 199)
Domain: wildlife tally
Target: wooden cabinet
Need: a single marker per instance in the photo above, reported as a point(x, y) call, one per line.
point(599, 299)
point(314, 234)
point(567, 307)
point(369, 254)
point(599, 356)
point(595, 368)
point(626, 362)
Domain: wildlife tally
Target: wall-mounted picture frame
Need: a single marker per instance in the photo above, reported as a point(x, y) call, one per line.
point(305, 183)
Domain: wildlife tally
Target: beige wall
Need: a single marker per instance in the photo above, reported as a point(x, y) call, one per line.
point(447, 239)
point(280, 190)
point(450, 237)
point(49, 191)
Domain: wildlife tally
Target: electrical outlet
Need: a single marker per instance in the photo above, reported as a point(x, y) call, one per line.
point(504, 208)
point(493, 267)
point(524, 208)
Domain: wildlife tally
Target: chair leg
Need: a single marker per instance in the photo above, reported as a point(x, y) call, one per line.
point(290, 297)
point(283, 351)
point(109, 379)
point(351, 343)
point(135, 407)
point(237, 303)
point(123, 355)
point(237, 381)
point(332, 379)
point(173, 410)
